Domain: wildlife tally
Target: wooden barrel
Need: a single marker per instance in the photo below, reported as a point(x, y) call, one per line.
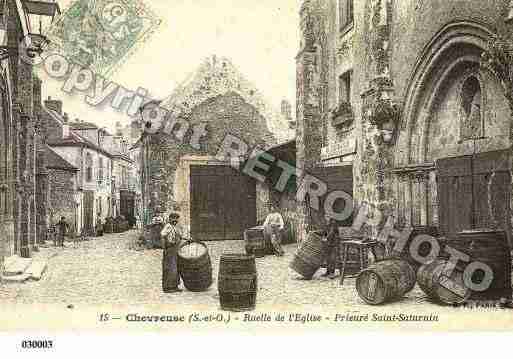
point(423, 250)
point(385, 281)
point(442, 288)
point(195, 266)
point(310, 255)
point(254, 242)
point(490, 247)
point(237, 282)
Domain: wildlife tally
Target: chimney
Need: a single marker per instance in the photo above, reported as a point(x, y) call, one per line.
point(54, 105)
point(65, 117)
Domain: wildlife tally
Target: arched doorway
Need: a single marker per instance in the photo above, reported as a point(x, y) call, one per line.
point(450, 157)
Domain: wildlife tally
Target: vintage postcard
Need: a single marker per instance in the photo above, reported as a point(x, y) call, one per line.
point(323, 165)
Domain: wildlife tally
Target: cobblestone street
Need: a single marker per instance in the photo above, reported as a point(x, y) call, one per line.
point(106, 271)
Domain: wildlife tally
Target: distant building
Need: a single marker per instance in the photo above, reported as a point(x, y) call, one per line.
point(79, 143)
point(63, 191)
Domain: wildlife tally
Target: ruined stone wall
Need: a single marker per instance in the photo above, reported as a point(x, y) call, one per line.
point(223, 115)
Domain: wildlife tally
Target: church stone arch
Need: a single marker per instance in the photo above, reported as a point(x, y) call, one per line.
point(457, 46)
point(447, 91)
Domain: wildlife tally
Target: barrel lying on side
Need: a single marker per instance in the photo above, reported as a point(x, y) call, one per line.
point(309, 256)
point(195, 266)
point(237, 282)
point(254, 242)
point(385, 281)
point(423, 250)
point(441, 286)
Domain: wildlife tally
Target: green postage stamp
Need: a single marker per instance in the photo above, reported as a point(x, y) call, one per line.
point(101, 34)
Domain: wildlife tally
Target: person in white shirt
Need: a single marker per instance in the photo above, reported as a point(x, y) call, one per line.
point(273, 228)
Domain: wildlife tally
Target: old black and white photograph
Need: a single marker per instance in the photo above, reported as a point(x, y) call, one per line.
point(271, 165)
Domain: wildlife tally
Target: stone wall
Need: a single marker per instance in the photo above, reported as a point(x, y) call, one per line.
point(61, 195)
point(389, 51)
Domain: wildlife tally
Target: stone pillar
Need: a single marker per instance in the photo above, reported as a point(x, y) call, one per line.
point(380, 115)
point(309, 125)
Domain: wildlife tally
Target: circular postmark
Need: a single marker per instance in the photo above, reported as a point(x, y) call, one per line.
point(113, 15)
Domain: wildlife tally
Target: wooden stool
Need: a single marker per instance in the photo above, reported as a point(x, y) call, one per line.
point(362, 249)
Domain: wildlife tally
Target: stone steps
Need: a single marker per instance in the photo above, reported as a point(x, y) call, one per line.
point(18, 269)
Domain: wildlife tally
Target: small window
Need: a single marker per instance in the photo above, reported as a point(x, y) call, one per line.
point(472, 125)
point(345, 87)
point(346, 15)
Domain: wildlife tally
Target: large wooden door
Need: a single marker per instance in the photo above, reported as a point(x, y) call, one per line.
point(455, 196)
point(223, 203)
point(474, 192)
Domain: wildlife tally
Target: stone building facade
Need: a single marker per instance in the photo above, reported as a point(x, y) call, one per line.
point(22, 182)
point(398, 89)
point(82, 145)
point(63, 194)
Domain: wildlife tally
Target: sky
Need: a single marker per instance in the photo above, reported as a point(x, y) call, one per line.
point(261, 38)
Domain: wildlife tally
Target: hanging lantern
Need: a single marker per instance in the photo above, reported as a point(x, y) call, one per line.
point(39, 15)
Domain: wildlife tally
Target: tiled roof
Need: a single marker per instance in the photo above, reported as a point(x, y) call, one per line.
point(74, 139)
point(55, 161)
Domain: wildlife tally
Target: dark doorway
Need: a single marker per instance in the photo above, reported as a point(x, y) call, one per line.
point(127, 206)
point(337, 178)
point(89, 212)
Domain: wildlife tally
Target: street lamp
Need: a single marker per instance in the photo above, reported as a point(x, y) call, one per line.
point(33, 43)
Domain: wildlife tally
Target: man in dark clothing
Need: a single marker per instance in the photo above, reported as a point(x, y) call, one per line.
point(332, 248)
point(62, 227)
point(171, 240)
